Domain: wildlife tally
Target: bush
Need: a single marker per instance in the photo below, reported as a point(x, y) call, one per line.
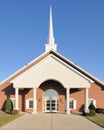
point(91, 113)
point(100, 110)
point(91, 106)
point(9, 105)
point(84, 113)
point(15, 112)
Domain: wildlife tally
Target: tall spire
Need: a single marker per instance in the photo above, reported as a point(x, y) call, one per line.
point(51, 36)
point(51, 42)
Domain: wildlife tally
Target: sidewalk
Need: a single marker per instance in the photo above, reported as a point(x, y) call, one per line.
point(44, 121)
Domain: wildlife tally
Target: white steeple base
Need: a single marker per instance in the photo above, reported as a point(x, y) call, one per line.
point(49, 47)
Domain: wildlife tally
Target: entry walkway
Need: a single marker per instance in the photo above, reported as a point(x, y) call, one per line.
point(51, 122)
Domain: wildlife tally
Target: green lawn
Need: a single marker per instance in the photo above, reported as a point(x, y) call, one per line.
point(4, 119)
point(99, 120)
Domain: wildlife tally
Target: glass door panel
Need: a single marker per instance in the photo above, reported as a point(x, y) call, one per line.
point(48, 105)
point(51, 105)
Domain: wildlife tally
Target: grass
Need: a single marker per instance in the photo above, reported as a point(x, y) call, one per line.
point(99, 120)
point(4, 119)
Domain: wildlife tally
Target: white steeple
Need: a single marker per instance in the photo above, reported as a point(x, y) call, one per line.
point(51, 36)
point(51, 42)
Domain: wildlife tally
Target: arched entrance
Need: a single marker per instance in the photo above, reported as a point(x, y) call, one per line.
point(50, 100)
point(51, 97)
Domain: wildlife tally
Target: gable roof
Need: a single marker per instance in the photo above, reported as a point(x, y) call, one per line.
point(38, 59)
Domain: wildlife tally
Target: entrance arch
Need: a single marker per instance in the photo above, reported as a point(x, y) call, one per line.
point(50, 100)
point(51, 90)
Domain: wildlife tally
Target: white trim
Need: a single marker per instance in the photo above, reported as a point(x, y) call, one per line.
point(74, 103)
point(34, 101)
point(67, 100)
point(16, 97)
point(14, 102)
point(86, 94)
point(45, 99)
point(27, 103)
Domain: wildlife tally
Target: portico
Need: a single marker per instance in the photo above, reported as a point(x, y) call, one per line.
point(51, 103)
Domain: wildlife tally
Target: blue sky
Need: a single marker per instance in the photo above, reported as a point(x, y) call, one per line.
point(78, 30)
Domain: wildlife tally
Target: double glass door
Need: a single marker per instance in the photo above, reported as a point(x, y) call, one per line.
point(50, 101)
point(51, 105)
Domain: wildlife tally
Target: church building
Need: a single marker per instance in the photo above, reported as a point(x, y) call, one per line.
point(52, 83)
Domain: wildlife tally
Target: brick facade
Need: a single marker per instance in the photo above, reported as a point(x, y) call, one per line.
point(96, 92)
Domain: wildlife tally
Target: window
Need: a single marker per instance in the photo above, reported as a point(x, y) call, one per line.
point(72, 104)
point(93, 101)
point(14, 102)
point(29, 103)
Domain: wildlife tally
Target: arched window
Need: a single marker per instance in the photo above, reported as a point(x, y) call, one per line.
point(50, 93)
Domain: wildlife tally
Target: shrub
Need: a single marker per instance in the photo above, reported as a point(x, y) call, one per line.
point(84, 113)
point(9, 105)
point(100, 110)
point(91, 106)
point(15, 112)
point(91, 113)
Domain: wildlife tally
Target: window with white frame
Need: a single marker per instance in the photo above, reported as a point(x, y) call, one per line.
point(29, 103)
point(93, 101)
point(14, 102)
point(72, 103)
